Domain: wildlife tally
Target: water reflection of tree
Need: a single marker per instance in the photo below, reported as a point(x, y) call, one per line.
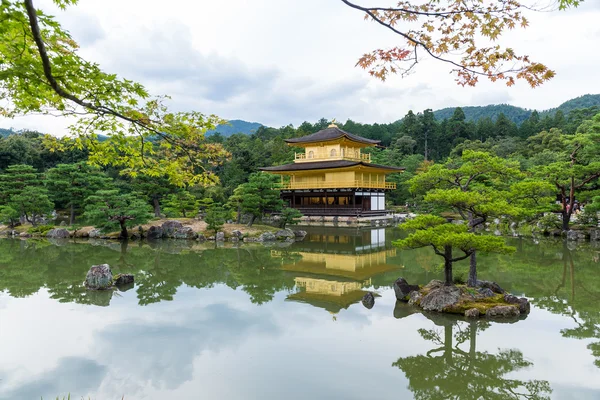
point(448, 371)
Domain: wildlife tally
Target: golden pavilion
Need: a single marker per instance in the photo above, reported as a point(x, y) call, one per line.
point(333, 177)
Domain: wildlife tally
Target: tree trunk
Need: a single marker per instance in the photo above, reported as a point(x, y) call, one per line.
point(472, 281)
point(183, 213)
point(123, 235)
point(156, 205)
point(426, 146)
point(239, 214)
point(448, 264)
point(72, 216)
point(566, 220)
point(252, 218)
point(448, 343)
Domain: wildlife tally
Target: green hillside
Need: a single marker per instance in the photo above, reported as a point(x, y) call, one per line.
point(518, 114)
point(235, 126)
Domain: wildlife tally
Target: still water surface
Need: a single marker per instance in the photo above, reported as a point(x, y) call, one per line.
point(255, 322)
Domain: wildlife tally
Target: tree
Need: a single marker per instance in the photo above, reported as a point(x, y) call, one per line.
point(477, 187)
point(9, 215)
point(442, 28)
point(260, 195)
point(155, 188)
point(577, 168)
point(289, 216)
point(15, 179)
point(110, 208)
point(71, 184)
point(180, 204)
point(446, 238)
point(215, 218)
point(33, 202)
point(42, 71)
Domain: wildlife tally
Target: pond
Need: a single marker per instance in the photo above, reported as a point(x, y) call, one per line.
point(286, 322)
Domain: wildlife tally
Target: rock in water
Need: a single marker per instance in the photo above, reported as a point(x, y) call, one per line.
point(493, 286)
point(368, 300)
point(486, 292)
point(415, 297)
point(503, 311)
point(472, 313)
point(220, 236)
point(123, 279)
point(403, 289)
point(186, 233)
point(285, 234)
point(154, 232)
point(300, 235)
point(440, 298)
point(99, 277)
point(237, 234)
point(523, 303)
point(169, 228)
point(267, 237)
point(58, 233)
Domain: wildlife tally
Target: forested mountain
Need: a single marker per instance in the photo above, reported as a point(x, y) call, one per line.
point(517, 114)
point(235, 126)
point(5, 132)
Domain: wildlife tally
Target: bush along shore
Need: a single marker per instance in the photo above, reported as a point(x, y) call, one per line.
point(183, 229)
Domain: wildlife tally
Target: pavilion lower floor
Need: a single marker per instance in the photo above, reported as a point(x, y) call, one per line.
point(336, 202)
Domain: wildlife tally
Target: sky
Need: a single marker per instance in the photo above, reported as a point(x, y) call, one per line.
point(281, 62)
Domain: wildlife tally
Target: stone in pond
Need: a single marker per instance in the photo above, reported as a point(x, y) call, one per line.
point(220, 236)
point(440, 298)
point(154, 232)
point(368, 300)
point(523, 303)
point(99, 277)
point(123, 279)
point(503, 311)
point(486, 292)
point(414, 297)
point(58, 233)
point(402, 289)
point(472, 313)
point(493, 286)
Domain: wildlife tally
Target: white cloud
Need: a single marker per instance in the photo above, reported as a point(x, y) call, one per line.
point(285, 61)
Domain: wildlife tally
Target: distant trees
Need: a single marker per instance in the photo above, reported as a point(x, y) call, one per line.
point(260, 195)
point(181, 204)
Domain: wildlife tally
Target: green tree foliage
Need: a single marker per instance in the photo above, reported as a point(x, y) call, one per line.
point(70, 184)
point(446, 239)
point(15, 179)
point(215, 218)
point(289, 216)
point(260, 195)
point(42, 70)
point(110, 209)
point(32, 202)
point(9, 216)
point(181, 204)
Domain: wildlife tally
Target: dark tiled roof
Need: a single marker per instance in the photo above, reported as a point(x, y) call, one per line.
point(307, 166)
point(331, 133)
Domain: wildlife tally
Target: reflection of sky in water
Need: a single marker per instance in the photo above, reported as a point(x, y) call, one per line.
point(215, 343)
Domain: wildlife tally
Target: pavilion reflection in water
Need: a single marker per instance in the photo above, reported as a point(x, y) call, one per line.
point(333, 267)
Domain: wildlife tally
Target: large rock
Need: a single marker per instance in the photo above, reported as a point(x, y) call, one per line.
point(493, 286)
point(503, 311)
point(434, 284)
point(267, 237)
point(220, 236)
point(440, 298)
point(368, 300)
point(403, 289)
point(99, 277)
point(95, 233)
point(186, 233)
point(472, 313)
point(58, 233)
point(595, 235)
point(414, 298)
point(486, 292)
point(522, 303)
point(123, 279)
point(237, 234)
point(154, 232)
point(285, 234)
point(575, 235)
point(300, 235)
point(170, 227)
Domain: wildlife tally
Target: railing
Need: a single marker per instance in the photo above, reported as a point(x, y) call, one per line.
point(321, 157)
point(339, 185)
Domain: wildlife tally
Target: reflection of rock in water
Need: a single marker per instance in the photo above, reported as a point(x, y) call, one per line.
point(448, 371)
point(98, 297)
point(403, 309)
